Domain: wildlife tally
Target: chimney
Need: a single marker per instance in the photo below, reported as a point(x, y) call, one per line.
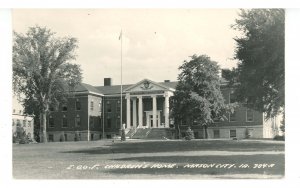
point(107, 81)
point(167, 80)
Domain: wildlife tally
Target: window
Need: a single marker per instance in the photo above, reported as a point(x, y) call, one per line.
point(51, 138)
point(77, 104)
point(118, 106)
point(216, 120)
point(108, 122)
point(232, 133)
point(92, 123)
point(51, 121)
point(183, 134)
point(92, 106)
point(216, 133)
point(92, 136)
point(196, 134)
point(66, 137)
point(77, 121)
point(14, 110)
point(232, 116)
point(249, 115)
point(64, 121)
point(18, 122)
point(64, 108)
point(118, 122)
point(20, 112)
point(108, 105)
point(232, 97)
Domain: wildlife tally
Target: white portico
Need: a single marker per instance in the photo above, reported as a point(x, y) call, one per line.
point(147, 105)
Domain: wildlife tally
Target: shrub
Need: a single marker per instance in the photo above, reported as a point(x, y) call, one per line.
point(189, 134)
point(279, 137)
point(20, 136)
point(15, 138)
point(24, 140)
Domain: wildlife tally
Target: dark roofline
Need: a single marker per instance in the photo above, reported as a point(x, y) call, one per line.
point(115, 89)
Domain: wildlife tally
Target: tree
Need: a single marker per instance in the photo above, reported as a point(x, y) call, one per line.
point(260, 51)
point(230, 76)
point(198, 98)
point(42, 72)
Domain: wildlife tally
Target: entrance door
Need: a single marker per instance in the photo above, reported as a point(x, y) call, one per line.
point(151, 121)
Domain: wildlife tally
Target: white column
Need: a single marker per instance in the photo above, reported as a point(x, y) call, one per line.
point(128, 110)
point(140, 111)
point(166, 110)
point(154, 110)
point(134, 112)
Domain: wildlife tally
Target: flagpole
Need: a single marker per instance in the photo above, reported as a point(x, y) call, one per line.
point(121, 110)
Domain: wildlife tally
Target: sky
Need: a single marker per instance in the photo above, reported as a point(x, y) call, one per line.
point(155, 41)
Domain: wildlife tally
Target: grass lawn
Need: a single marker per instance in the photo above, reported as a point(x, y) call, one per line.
point(144, 159)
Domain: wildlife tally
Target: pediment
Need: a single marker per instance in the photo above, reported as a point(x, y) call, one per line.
point(147, 85)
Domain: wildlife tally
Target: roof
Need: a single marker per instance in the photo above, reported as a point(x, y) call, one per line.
point(115, 89)
point(83, 87)
point(169, 84)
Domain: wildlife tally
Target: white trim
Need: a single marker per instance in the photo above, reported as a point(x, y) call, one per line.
point(87, 92)
point(115, 95)
point(154, 83)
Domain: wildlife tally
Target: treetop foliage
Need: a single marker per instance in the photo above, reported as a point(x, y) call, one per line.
point(41, 66)
point(198, 97)
point(260, 51)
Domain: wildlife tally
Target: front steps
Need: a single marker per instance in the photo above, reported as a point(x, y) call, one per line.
point(151, 133)
point(141, 133)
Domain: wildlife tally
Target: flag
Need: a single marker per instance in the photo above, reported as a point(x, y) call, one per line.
point(120, 35)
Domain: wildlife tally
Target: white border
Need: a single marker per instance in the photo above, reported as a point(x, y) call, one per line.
point(292, 92)
point(150, 4)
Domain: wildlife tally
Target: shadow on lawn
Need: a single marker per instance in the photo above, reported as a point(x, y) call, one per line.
point(181, 146)
point(181, 161)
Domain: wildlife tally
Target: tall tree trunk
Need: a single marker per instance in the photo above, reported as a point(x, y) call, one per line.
point(44, 125)
point(178, 129)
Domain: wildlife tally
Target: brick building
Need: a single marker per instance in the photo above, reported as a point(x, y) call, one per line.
point(94, 112)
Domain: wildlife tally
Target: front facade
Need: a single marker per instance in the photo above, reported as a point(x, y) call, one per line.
point(21, 122)
point(94, 112)
point(80, 118)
